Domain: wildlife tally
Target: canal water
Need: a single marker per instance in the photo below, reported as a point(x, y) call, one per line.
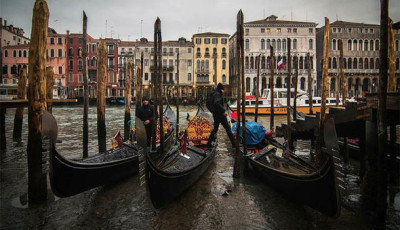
point(216, 201)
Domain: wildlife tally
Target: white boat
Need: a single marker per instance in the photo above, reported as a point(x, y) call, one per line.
point(280, 102)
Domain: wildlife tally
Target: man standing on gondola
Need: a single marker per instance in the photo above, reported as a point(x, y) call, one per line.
point(145, 113)
point(215, 103)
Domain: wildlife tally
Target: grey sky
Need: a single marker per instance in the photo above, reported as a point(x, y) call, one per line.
point(131, 19)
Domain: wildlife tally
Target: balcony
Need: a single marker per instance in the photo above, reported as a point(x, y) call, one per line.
point(198, 55)
point(215, 55)
point(206, 55)
point(203, 81)
point(165, 68)
point(223, 55)
point(202, 71)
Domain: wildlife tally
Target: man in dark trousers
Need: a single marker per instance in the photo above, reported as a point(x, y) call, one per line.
point(219, 114)
point(145, 113)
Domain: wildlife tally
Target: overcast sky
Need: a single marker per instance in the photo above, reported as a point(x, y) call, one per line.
point(132, 19)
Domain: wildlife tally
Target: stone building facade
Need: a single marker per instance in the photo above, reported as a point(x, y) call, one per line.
point(361, 44)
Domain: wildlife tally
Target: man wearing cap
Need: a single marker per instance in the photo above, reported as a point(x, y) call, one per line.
point(145, 113)
point(219, 115)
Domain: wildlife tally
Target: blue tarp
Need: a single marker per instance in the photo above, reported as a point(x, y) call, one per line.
point(255, 133)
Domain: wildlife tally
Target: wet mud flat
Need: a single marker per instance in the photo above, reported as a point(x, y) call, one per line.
point(216, 201)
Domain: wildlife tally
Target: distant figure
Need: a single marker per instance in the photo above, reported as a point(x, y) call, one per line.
point(145, 113)
point(215, 103)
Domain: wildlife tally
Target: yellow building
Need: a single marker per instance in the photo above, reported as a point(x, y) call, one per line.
point(211, 61)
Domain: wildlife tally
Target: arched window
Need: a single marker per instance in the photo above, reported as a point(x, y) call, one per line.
point(70, 52)
point(14, 53)
point(94, 61)
point(285, 83)
point(279, 44)
point(223, 64)
point(355, 63)
point(268, 62)
point(397, 64)
point(377, 45)
point(349, 85)
point(263, 83)
point(334, 47)
point(301, 63)
point(371, 63)
point(349, 45)
point(283, 44)
point(246, 63)
point(366, 45)
point(262, 44)
point(302, 83)
point(366, 63)
point(263, 62)
point(207, 54)
point(6, 53)
point(198, 66)
point(396, 45)
point(377, 63)
point(360, 44)
point(349, 63)
point(365, 85)
point(247, 84)
point(24, 53)
point(214, 51)
point(273, 43)
point(246, 45)
point(207, 66)
point(294, 44)
point(355, 44)
point(19, 53)
point(305, 62)
point(334, 63)
point(268, 43)
point(329, 63)
point(278, 82)
point(360, 63)
point(371, 45)
point(251, 62)
point(223, 78)
point(333, 85)
point(310, 44)
point(344, 63)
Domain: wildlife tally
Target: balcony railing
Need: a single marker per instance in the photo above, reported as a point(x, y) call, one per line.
point(223, 55)
point(198, 55)
point(203, 81)
point(207, 55)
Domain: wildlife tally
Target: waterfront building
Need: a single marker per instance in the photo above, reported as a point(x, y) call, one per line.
point(56, 58)
point(170, 49)
point(259, 36)
point(361, 44)
point(125, 53)
point(211, 62)
point(74, 65)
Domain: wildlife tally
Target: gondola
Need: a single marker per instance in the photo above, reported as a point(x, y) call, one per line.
point(70, 177)
point(294, 177)
point(169, 175)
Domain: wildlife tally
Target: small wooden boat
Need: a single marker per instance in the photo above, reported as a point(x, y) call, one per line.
point(295, 178)
point(169, 175)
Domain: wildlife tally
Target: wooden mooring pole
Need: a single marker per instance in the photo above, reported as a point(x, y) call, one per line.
point(392, 77)
point(128, 98)
point(257, 87)
point(296, 79)
point(271, 86)
point(310, 84)
point(178, 95)
point(320, 139)
point(85, 91)
point(288, 89)
point(37, 182)
point(49, 88)
point(101, 95)
point(19, 112)
point(341, 72)
point(240, 65)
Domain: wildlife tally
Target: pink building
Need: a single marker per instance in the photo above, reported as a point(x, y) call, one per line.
point(57, 58)
point(14, 58)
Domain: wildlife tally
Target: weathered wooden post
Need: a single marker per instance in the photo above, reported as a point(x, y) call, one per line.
point(310, 84)
point(139, 83)
point(244, 139)
point(288, 87)
point(19, 112)
point(159, 86)
point(381, 177)
point(324, 92)
point(392, 77)
point(271, 86)
point(128, 98)
point(240, 68)
point(257, 87)
point(49, 87)
point(37, 183)
point(101, 95)
point(342, 80)
point(178, 95)
point(296, 79)
point(85, 91)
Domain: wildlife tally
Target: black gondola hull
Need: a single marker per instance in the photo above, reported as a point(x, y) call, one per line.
point(69, 178)
point(164, 187)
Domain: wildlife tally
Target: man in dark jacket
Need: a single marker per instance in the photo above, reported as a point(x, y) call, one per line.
point(145, 113)
point(219, 115)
